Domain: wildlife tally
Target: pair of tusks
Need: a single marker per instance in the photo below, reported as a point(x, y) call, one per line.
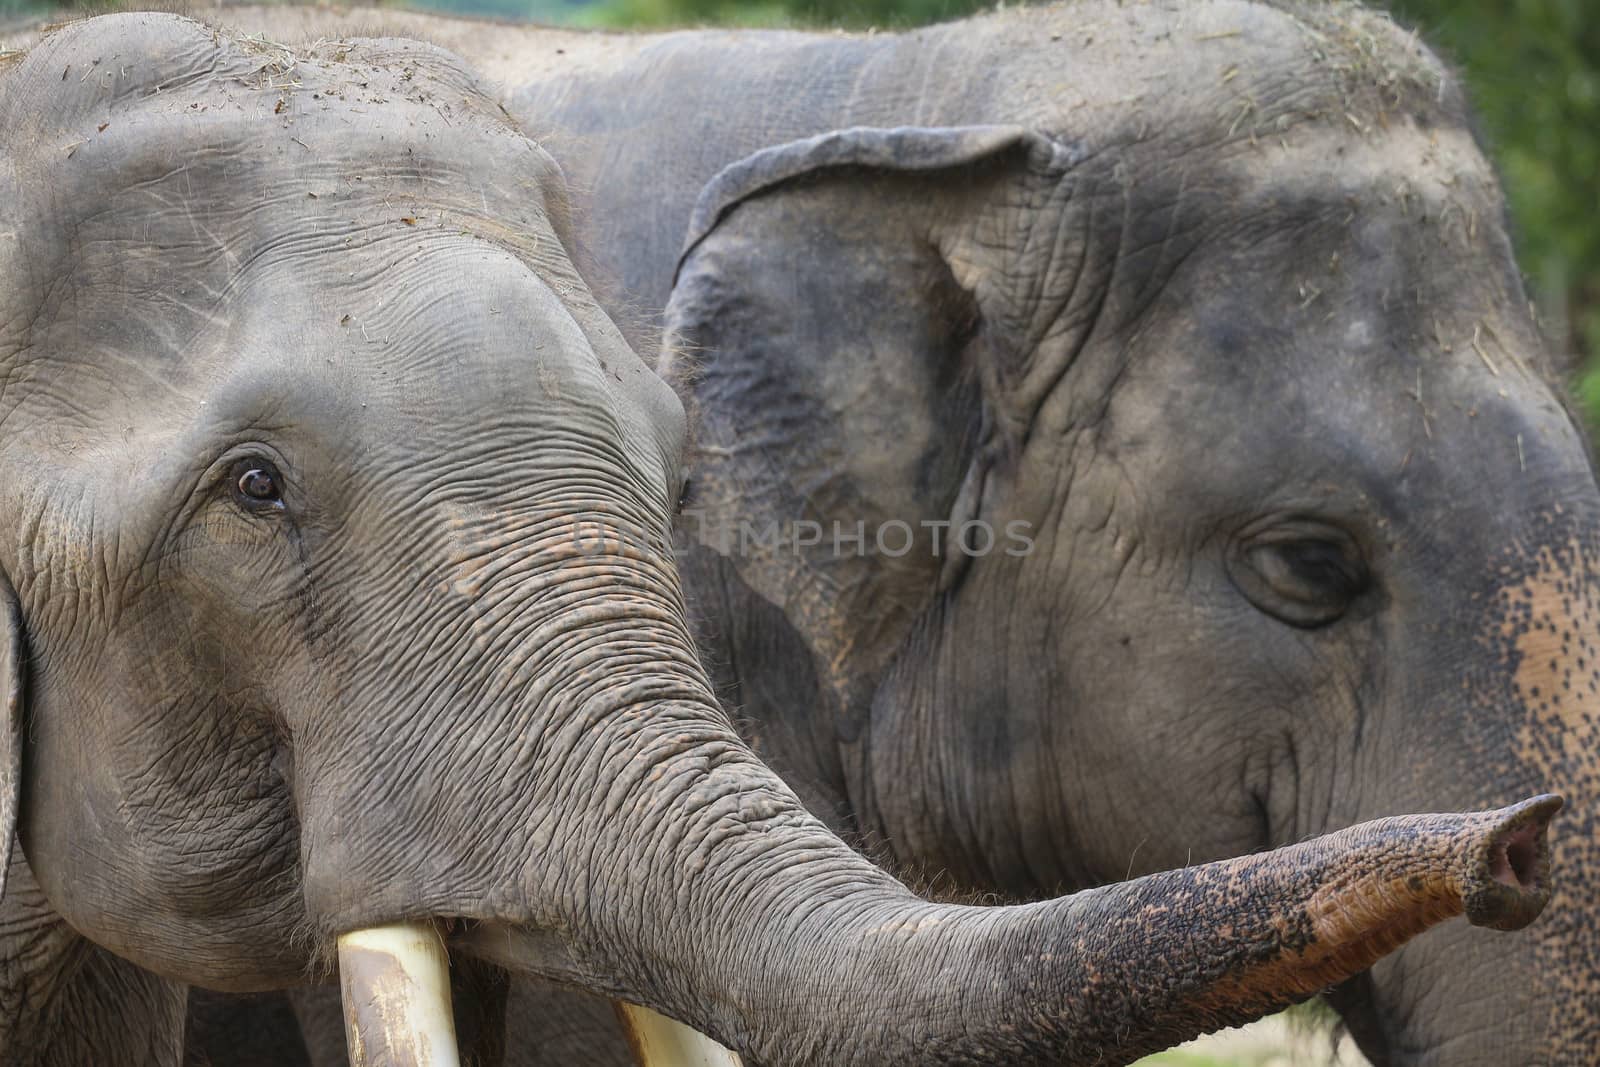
point(396, 986)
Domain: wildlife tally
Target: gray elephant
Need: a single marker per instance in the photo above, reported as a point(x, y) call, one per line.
point(336, 595)
point(1217, 301)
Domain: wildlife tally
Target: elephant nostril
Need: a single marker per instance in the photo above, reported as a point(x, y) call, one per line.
point(1516, 859)
point(1511, 882)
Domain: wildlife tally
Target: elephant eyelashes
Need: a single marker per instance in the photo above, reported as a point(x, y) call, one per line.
point(1303, 581)
point(256, 485)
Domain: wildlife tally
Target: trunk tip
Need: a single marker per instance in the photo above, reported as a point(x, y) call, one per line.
point(1510, 883)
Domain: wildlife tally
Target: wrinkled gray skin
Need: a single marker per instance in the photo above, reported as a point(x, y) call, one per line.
point(1232, 312)
point(333, 596)
point(1222, 314)
point(1227, 313)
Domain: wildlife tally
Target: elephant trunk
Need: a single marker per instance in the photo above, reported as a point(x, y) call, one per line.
point(751, 923)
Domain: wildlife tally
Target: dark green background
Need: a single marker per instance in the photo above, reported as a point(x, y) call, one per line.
point(1533, 67)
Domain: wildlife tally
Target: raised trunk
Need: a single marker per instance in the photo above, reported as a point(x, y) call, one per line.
point(756, 926)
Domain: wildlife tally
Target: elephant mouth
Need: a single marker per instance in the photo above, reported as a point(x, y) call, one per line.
point(1356, 1002)
point(1364, 1016)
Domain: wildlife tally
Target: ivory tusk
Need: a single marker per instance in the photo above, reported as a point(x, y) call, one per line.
point(395, 981)
point(658, 1041)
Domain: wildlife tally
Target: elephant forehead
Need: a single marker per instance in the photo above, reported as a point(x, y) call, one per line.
point(192, 156)
point(1408, 169)
point(190, 209)
point(381, 312)
point(459, 336)
point(151, 64)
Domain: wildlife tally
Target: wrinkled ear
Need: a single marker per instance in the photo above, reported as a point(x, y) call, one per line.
point(11, 725)
point(902, 150)
point(856, 328)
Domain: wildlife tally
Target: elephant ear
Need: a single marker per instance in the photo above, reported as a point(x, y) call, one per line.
point(861, 326)
point(12, 657)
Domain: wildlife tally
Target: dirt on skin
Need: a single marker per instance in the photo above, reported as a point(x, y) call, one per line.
point(508, 53)
point(502, 52)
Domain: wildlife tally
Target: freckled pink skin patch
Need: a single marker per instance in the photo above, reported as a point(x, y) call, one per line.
point(1551, 625)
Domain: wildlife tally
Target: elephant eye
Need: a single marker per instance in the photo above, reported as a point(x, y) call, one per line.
point(1304, 578)
point(256, 485)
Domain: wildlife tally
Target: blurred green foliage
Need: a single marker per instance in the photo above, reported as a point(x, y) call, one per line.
point(1184, 1059)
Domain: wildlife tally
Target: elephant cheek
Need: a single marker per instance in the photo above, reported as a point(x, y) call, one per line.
point(1550, 634)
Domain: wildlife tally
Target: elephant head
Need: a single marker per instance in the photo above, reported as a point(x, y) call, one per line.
point(338, 596)
point(1157, 493)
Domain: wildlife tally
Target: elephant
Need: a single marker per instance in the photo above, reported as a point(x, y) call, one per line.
point(338, 596)
point(1218, 302)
